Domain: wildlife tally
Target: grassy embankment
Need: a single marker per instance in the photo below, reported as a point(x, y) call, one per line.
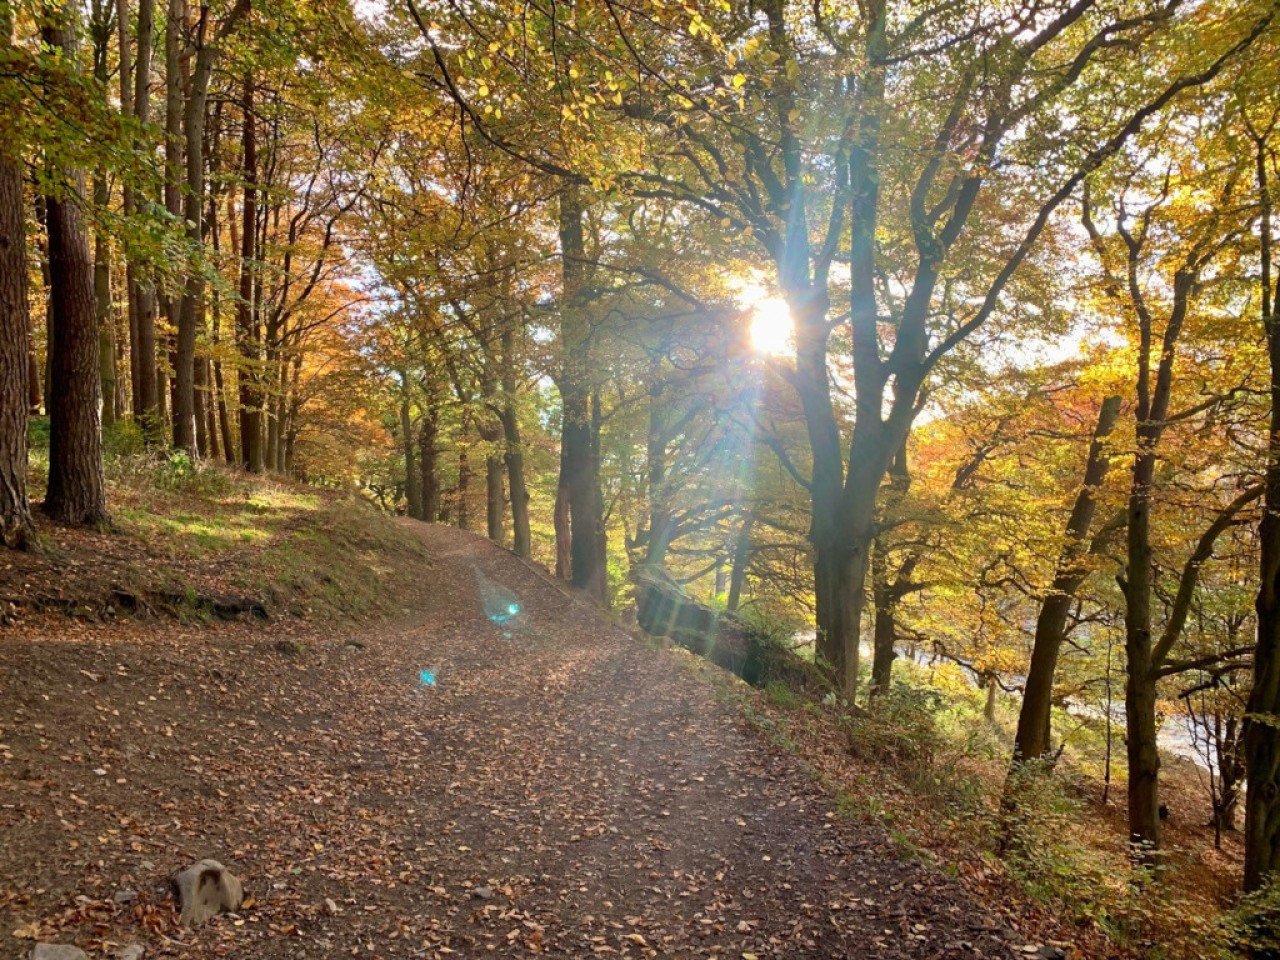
point(204, 540)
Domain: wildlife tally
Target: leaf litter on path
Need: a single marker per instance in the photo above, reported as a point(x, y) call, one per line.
point(556, 788)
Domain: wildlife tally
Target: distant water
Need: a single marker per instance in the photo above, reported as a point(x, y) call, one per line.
point(1175, 737)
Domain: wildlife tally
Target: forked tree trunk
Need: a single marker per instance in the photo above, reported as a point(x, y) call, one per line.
point(1032, 739)
point(1142, 662)
point(1262, 716)
point(77, 488)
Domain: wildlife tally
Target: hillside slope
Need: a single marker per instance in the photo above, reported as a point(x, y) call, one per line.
point(501, 770)
point(210, 542)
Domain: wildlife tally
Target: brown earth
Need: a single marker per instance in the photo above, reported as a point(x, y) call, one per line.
point(563, 789)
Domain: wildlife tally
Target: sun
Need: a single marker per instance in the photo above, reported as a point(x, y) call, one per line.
point(772, 329)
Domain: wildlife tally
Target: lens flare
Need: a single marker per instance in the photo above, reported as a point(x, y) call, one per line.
point(500, 604)
point(427, 678)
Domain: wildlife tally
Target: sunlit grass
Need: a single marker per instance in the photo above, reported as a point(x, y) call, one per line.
point(293, 547)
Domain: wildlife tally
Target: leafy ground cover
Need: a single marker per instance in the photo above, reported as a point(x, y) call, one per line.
point(558, 787)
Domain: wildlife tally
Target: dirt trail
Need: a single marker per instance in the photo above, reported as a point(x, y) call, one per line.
point(560, 789)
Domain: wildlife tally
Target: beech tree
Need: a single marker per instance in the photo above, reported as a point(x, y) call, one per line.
point(1262, 712)
point(747, 154)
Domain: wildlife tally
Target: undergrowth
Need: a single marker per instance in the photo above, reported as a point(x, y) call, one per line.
point(927, 764)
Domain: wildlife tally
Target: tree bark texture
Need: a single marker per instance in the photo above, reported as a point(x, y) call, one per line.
point(77, 488)
point(16, 527)
point(578, 461)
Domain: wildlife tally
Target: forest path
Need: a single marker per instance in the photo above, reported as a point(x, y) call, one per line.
point(560, 789)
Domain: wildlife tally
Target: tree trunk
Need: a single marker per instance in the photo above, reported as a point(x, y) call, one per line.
point(462, 494)
point(1262, 715)
point(834, 561)
point(146, 401)
point(101, 242)
point(272, 454)
point(597, 494)
point(741, 559)
point(175, 78)
point(35, 391)
point(560, 521)
point(578, 462)
point(128, 205)
point(1140, 680)
point(224, 419)
point(291, 425)
point(209, 446)
point(103, 313)
point(1229, 747)
point(1032, 739)
point(42, 219)
point(218, 429)
point(495, 501)
point(1143, 663)
point(246, 321)
point(187, 414)
point(885, 600)
point(1141, 743)
point(413, 491)
point(16, 527)
point(428, 455)
point(513, 453)
point(655, 554)
point(77, 489)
